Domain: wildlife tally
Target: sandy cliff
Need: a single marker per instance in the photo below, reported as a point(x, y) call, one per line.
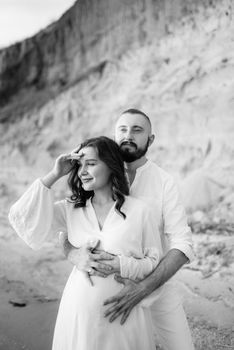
point(173, 59)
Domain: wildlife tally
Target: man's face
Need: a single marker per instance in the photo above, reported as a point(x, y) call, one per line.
point(132, 133)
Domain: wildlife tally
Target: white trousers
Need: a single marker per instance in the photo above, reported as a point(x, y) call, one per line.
point(169, 320)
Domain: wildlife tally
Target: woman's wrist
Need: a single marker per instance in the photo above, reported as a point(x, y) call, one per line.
point(49, 179)
point(117, 264)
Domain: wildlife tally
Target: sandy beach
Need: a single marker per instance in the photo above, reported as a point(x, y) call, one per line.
point(32, 282)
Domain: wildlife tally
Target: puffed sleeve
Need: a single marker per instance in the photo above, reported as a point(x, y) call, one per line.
point(35, 217)
point(175, 221)
point(138, 268)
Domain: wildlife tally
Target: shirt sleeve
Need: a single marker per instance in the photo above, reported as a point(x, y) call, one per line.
point(35, 217)
point(175, 221)
point(138, 268)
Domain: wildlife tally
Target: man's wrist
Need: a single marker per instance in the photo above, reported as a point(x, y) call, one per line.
point(144, 290)
point(117, 264)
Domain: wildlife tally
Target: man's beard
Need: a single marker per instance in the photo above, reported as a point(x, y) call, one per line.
point(131, 156)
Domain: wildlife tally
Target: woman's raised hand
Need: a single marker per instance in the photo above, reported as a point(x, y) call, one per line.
point(62, 166)
point(64, 163)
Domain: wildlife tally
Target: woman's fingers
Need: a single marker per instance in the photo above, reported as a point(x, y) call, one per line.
point(69, 156)
point(75, 150)
point(102, 255)
point(99, 274)
point(64, 156)
point(88, 277)
point(74, 154)
point(93, 272)
point(73, 157)
point(101, 267)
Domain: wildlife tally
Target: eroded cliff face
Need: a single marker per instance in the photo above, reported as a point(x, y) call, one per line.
point(174, 60)
point(88, 36)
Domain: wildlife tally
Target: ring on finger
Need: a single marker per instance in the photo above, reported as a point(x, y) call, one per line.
point(90, 271)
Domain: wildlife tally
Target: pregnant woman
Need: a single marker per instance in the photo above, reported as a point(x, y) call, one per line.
point(99, 209)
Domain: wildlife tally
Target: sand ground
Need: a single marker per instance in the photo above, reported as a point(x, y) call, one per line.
point(32, 282)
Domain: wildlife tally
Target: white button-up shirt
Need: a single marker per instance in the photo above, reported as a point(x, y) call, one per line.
point(157, 188)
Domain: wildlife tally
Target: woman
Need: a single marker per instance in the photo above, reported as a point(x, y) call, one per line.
point(99, 208)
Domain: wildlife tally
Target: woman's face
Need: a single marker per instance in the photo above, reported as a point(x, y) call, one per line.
point(93, 172)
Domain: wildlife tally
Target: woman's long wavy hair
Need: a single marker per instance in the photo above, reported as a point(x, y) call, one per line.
point(108, 151)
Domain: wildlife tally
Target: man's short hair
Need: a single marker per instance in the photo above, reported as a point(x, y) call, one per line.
point(137, 111)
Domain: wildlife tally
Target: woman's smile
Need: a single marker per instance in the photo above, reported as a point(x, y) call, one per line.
point(86, 180)
point(93, 172)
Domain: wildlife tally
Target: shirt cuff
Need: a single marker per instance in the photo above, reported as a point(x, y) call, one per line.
point(186, 249)
point(123, 261)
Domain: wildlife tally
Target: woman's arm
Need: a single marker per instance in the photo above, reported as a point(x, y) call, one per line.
point(35, 216)
point(88, 257)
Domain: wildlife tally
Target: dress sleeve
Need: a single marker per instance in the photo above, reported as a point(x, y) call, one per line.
point(138, 268)
point(175, 221)
point(35, 217)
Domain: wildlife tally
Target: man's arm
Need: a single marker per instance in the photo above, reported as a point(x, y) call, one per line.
point(134, 292)
point(180, 242)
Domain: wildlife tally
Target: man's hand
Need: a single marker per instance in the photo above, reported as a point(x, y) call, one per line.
point(134, 292)
point(125, 300)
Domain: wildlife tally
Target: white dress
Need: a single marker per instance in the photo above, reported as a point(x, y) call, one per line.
point(81, 324)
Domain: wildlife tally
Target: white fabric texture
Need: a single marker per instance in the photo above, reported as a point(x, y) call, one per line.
point(157, 188)
point(136, 267)
point(169, 320)
point(36, 218)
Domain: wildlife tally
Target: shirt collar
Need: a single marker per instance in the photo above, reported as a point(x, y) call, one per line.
point(140, 168)
point(143, 167)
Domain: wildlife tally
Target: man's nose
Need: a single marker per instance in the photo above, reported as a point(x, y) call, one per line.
point(128, 135)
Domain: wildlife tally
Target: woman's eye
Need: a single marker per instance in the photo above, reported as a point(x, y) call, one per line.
point(92, 164)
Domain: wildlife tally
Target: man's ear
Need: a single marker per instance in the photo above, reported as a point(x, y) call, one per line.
point(151, 139)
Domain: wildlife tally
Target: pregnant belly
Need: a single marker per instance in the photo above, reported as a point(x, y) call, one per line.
point(88, 298)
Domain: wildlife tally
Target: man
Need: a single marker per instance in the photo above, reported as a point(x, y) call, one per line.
point(152, 184)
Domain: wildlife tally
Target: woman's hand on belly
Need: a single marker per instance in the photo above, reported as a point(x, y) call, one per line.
point(89, 259)
point(110, 262)
point(95, 262)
